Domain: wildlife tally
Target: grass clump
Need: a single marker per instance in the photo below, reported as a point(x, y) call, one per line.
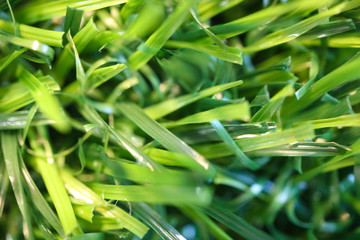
point(179, 119)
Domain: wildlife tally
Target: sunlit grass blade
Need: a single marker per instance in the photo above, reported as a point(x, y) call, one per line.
point(323, 167)
point(161, 35)
point(138, 154)
point(230, 54)
point(154, 220)
point(347, 72)
point(196, 134)
point(236, 111)
point(40, 202)
point(258, 142)
point(4, 62)
point(163, 194)
point(352, 120)
point(298, 29)
point(162, 109)
point(208, 9)
point(83, 193)
point(165, 137)
point(240, 155)
point(49, 37)
point(89, 236)
point(313, 72)
point(257, 19)
point(268, 110)
point(18, 120)
point(329, 29)
point(48, 104)
point(301, 149)
point(50, 174)
point(9, 147)
point(38, 11)
point(34, 45)
point(4, 186)
point(101, 75)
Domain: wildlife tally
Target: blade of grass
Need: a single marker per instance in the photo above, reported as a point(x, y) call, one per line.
point(85, 194)
point(164, 108)
point(33, 45)
point(165, 137)
point(55, 186)
point(154, 220)
point(48, 37)
point(37, 11)
point(268, 110)
point(237, 224)
point(162, 194)
point(298, 29)
point(139, 155)
point(40, 202)
point(72, 22)
point(199, 216)
point(161, 35)
point(47, 103)
point(287, 136)
point(10, 150)
point(347, 72)
point(236, 111)
point(4, 62)
point(240, 155)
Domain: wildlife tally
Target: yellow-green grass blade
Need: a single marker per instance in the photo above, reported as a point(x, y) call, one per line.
point(166, 107)
point(47, 103)
point(9, 147)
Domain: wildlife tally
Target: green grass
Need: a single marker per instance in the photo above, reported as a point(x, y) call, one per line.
point(153, 119)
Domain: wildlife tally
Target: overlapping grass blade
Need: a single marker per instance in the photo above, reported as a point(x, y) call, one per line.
point(161, 35)
point(162, 109)
point(9, 147)
point(47, 103)
point(50, 174)
point(162, 194)
point(237, 224)
point(40, 202)
point(258, 142)
point(81, 192)
point(38, 11)
point(165, 137)
point(154, 220)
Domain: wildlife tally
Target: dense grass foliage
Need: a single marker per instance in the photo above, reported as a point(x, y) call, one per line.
point(179, 119)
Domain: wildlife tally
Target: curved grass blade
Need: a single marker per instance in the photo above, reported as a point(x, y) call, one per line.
point(237, 224)
point(236, 111)
point(345, 73)
point(154, 220)
point(240, 155)
point(40, 202)
point(165, 137)
point(161, 35)
point(72, 22)
point(4, 62)
point(287, 136)
point(48, 37)
point(87, 196)
point(164, 108)
point(50, 174)
point(33, 45)
point(10, 150)
point(38, 10)
point(47, 103)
